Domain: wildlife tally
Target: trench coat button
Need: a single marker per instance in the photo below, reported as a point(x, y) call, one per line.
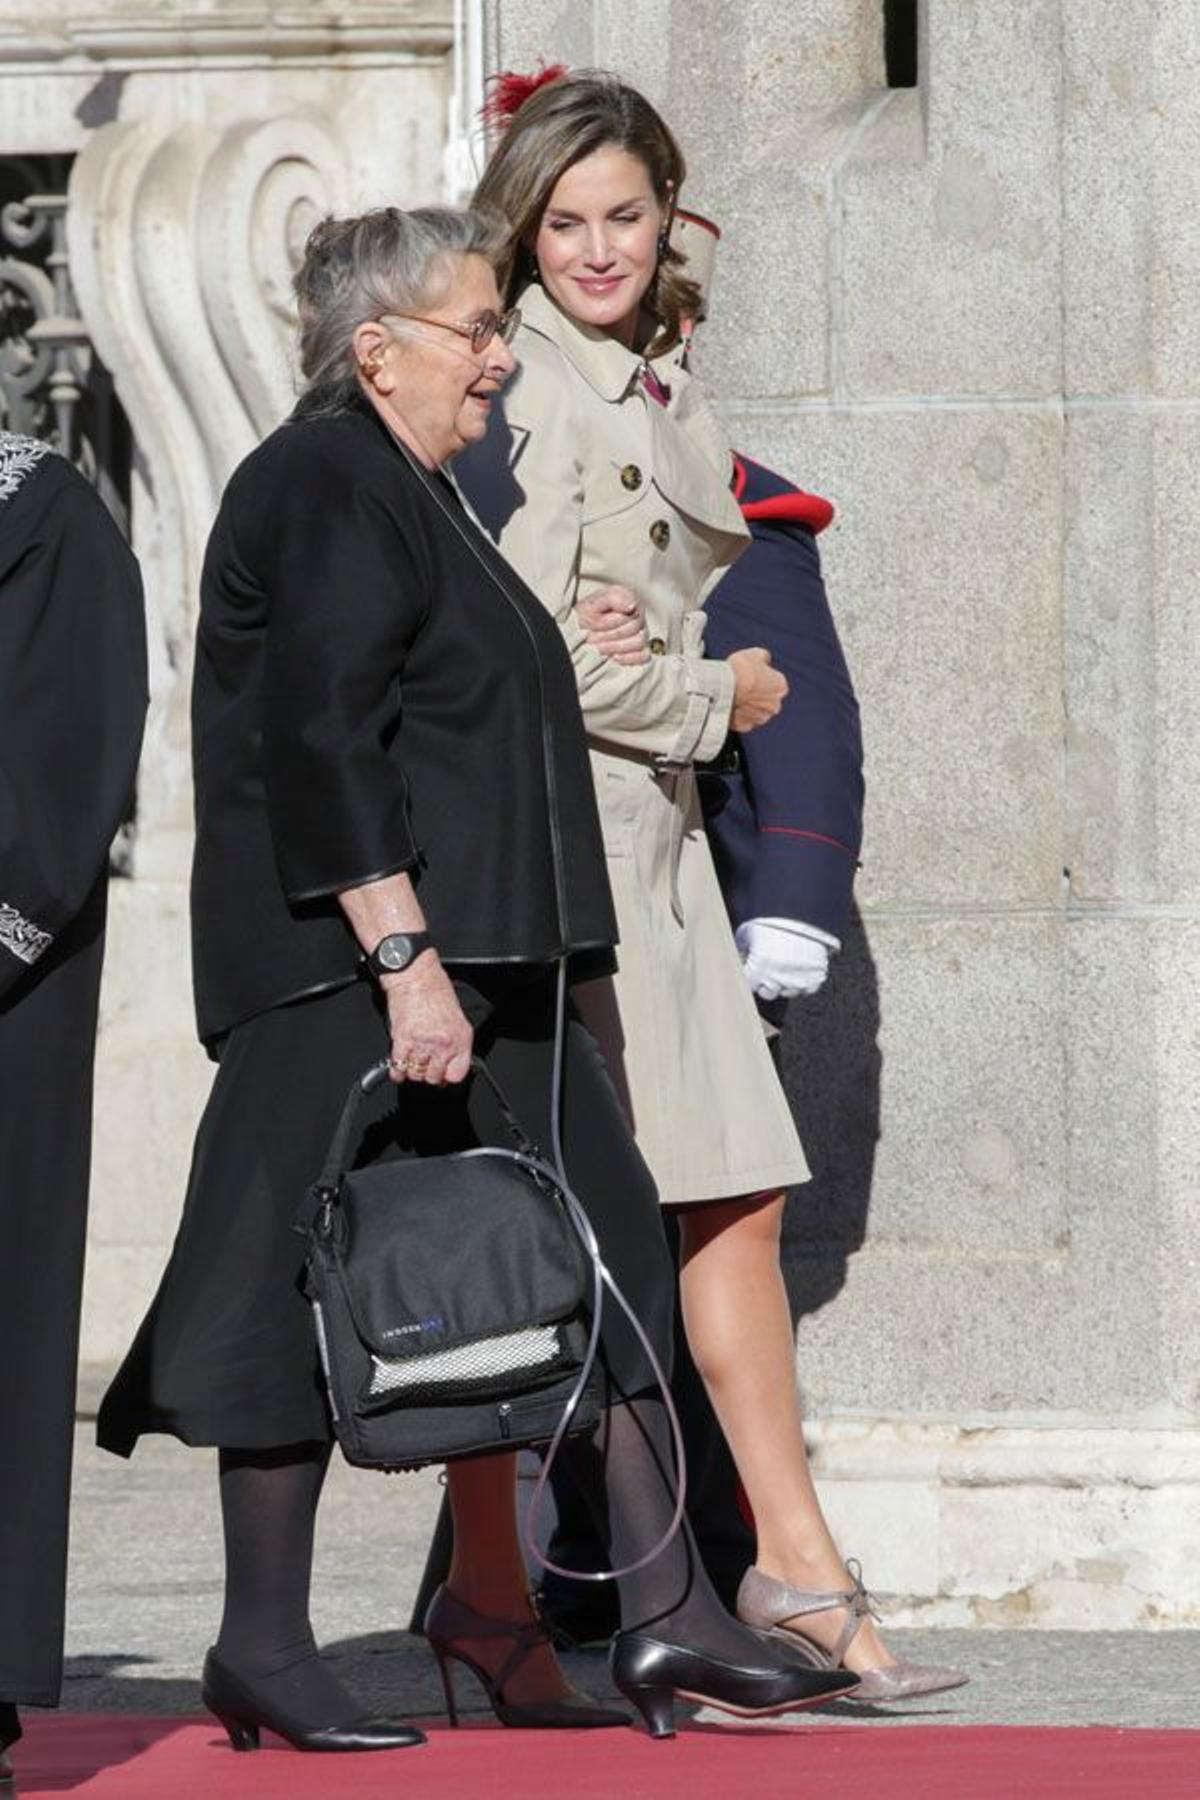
point(631, 477)
point(658, 646)
point(660, 534)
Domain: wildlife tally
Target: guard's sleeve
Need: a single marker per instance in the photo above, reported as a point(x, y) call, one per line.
point(349, 591)
point(526, 485)
point(786, 834)
point(72, 704)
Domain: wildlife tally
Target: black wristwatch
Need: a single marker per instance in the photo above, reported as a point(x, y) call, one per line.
point(396, 952)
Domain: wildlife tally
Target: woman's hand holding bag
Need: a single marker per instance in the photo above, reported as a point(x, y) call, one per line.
point(431, 1035)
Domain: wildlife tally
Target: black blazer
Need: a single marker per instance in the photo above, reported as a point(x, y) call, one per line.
point(375, 690)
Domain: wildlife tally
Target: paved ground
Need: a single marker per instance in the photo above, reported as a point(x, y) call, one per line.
point(145, 1598)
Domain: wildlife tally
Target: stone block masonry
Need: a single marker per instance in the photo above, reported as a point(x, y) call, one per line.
point(965, 312)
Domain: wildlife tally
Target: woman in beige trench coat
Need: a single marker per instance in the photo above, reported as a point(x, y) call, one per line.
point(617, 487)
point(608, 468)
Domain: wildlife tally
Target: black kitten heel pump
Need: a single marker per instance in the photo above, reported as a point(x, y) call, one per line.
point(245, 1714)
point(649, 1673)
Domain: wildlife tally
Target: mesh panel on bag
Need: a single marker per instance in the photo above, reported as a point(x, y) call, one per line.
point(483, 1362)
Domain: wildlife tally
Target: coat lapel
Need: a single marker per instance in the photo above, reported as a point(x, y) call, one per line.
point(691, 466)
point(606, 365)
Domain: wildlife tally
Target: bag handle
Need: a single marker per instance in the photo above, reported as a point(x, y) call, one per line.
point(334, 1165)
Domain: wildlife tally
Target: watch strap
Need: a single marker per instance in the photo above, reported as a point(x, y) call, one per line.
point(417, 942)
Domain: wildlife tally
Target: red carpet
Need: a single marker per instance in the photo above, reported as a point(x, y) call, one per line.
point(117, 1757)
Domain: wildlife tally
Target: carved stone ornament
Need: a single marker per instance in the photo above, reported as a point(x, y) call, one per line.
point(182, 247)
point(182, 243)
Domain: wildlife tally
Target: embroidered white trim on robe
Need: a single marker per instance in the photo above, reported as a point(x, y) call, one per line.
point(20, 935)
point(19, 456)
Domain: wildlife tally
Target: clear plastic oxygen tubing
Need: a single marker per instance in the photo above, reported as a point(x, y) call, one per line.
point(601, 1276)
point(601, 1279)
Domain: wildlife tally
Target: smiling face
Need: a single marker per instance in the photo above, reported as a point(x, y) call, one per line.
point(597, 243)
point(435, 391)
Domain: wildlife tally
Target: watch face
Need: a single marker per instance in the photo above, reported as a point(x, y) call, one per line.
point(395, 952)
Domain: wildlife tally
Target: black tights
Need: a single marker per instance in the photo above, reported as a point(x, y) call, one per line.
point(625, 1473)
point(268, 1510)
point(269, 1504)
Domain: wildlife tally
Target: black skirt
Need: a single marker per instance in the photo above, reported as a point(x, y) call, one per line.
point(226, 1354)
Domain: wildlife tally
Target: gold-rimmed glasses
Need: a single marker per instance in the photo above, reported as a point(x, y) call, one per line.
point(478, 332)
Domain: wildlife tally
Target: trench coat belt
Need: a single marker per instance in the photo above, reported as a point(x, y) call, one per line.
point(682, 777)
point(683, 781)
point(682, 773)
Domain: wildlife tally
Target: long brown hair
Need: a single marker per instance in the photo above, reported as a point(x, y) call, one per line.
point(556, 127)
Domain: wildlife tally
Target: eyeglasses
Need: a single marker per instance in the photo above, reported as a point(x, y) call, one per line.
point(479, 332)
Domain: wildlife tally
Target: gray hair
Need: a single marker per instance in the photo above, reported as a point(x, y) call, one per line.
point(386, 261)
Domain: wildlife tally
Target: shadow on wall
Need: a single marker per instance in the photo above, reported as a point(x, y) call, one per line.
point(831, 1065)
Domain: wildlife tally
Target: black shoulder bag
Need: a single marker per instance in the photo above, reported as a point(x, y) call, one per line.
point(450, 1299)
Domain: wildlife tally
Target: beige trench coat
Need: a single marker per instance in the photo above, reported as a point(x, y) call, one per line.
point(584, 482)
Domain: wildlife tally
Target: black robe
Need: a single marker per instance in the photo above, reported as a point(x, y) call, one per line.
point(72, 706)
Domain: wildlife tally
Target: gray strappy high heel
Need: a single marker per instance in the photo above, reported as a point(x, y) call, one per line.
point(763, 1603)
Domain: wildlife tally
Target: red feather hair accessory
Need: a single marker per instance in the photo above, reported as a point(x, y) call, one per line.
point(510, 91)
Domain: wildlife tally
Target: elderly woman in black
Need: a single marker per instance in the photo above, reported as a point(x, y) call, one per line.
point(396, 842)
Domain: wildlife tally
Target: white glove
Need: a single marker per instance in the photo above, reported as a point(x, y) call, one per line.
point(784, 958)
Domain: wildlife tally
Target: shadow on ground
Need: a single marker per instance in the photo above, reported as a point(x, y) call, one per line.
point(390, 1670)
point(1126, 1678)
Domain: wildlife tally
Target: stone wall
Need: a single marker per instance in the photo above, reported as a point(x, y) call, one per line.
point(967, 313)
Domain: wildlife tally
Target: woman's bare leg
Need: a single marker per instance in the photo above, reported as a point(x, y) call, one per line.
point(739, 1330)
point(488, 1571)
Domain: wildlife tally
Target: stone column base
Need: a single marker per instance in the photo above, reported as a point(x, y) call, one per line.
point(1070, 1525)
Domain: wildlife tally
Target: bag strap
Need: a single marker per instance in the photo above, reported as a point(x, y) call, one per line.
point(333, 1167)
